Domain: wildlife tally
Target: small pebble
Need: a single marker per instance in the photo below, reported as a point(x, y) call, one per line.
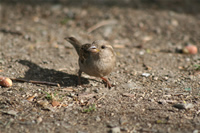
point(155, 78)
point(141, 52)
point(72, 94)
point(146, 74)
point(123, 121)
point(115, 130)
point(39, 120)
point(98, 119)
point(174, 22)
point(75, 112)
point(147, 38)
point(187, 59)
point(166, 78)
point(81, 101)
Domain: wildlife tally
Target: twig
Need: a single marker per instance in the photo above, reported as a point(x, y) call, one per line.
point(11, 32)
point(36, 82)
point(101, 97)
point(100, 24)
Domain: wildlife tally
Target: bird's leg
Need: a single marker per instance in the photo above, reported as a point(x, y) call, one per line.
point(107, 82)
point(79, 77)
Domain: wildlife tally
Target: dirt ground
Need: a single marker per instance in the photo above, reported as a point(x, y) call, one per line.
point(157, 88)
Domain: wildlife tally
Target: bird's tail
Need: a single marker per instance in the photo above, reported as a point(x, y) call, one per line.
point(75, 43)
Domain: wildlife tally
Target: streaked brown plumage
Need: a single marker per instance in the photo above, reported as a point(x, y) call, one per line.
point(97, 59)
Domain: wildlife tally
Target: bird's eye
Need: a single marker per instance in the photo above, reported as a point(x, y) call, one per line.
point(103, 46)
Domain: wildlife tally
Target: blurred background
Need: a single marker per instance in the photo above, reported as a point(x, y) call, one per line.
point(184, 6)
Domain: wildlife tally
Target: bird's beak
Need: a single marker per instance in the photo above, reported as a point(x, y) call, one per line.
point(93, 49)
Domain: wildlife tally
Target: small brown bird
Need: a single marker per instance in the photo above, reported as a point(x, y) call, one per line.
point(97, 59)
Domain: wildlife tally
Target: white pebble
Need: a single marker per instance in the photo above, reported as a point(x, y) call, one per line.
point(146, 74)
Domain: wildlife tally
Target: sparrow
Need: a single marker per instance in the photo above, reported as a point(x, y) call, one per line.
point(96, 59)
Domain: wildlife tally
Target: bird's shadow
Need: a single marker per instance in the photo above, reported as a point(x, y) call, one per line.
point(38, 73)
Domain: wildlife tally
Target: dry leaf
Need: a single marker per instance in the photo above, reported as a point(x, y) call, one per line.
point(55, 103)
point(31, 98)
